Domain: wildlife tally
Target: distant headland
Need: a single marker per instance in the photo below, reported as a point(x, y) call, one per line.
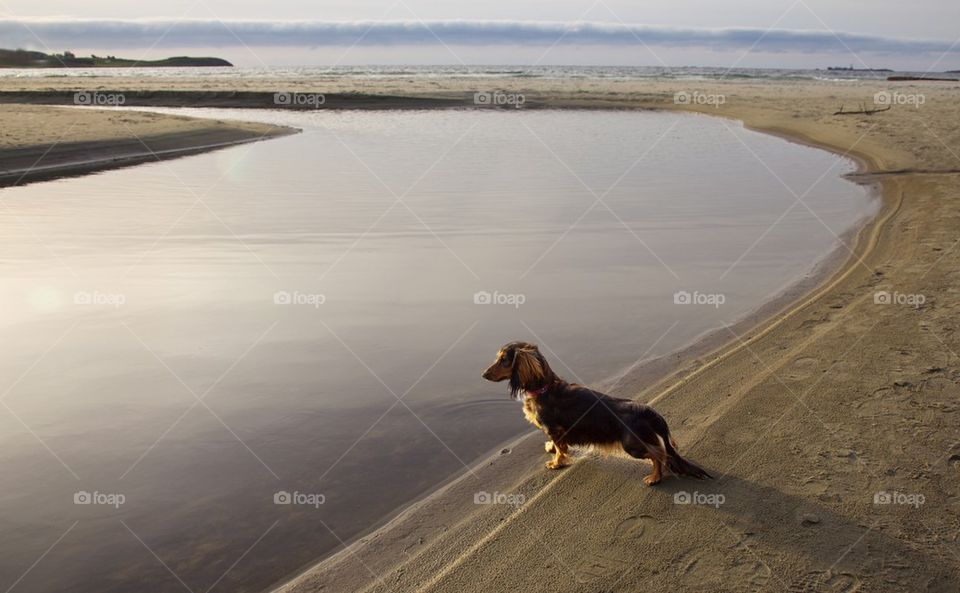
point(852, 69)
point(20, 58)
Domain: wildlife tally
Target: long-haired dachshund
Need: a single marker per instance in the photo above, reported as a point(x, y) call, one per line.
point(572, 414)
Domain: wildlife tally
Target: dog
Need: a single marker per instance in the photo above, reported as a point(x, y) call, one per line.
point(572, 414)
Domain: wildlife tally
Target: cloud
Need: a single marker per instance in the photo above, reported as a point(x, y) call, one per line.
point(58, 34)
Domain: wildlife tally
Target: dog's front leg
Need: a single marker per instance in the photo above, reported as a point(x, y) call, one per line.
point(560, 458)
point(550, 447)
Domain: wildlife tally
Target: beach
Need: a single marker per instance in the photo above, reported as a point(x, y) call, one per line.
point(828, 417)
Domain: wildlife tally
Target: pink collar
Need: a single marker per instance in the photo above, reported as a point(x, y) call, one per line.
point(540, 391)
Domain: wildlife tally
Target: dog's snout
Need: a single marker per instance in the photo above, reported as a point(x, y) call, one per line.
point(491, 374)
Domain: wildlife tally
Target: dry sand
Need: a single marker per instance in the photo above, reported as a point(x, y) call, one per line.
point(804, 418)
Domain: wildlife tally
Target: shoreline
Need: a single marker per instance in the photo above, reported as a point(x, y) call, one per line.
point(111, 160)
point(233, 99)
point(678, 366)
point(113, 142)
point(443, 542)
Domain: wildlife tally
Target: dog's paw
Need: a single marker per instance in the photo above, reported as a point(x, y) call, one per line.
point(651, 480)
point(555, 465)
point(549, 447)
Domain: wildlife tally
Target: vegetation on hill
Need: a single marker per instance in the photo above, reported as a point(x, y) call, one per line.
point(20, 58)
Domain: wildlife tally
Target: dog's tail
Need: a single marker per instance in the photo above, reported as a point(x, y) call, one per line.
point(675, 462)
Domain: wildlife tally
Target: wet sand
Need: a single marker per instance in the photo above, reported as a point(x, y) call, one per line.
point(820, 421)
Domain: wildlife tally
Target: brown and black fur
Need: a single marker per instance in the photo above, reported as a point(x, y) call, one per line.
point(572, 414)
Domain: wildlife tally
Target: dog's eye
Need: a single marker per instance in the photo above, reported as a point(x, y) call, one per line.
point(504, 361)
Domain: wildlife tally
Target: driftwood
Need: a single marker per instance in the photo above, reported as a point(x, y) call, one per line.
point(862, 111)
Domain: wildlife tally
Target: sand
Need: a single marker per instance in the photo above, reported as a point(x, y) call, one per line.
point(42, 142)
point(831, 424)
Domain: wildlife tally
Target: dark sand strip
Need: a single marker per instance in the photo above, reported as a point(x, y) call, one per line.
point(68, 142)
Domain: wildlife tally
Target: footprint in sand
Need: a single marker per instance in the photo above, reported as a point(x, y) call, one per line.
point(595, 567)
point(758, 577)
point(841, 583)
point(820, 581)
point(619, 555)
point(694, 569)
point(802, 368)
point(814, 321)
point(748, 567)
point(631, 528)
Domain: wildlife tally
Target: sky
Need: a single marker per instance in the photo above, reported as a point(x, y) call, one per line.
point(922, 35)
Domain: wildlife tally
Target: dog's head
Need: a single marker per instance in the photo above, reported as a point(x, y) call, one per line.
point(522, 364)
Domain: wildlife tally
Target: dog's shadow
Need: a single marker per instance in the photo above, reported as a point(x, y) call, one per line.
point(840, 536)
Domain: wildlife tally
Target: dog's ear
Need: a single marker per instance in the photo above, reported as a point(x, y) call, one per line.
point(527, 369)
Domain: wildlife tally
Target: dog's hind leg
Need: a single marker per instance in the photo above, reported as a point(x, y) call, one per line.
point(635, 447)
point(656, 475)
point(673, 460)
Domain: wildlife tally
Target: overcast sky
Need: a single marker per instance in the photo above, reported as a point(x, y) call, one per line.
point(796, 33)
